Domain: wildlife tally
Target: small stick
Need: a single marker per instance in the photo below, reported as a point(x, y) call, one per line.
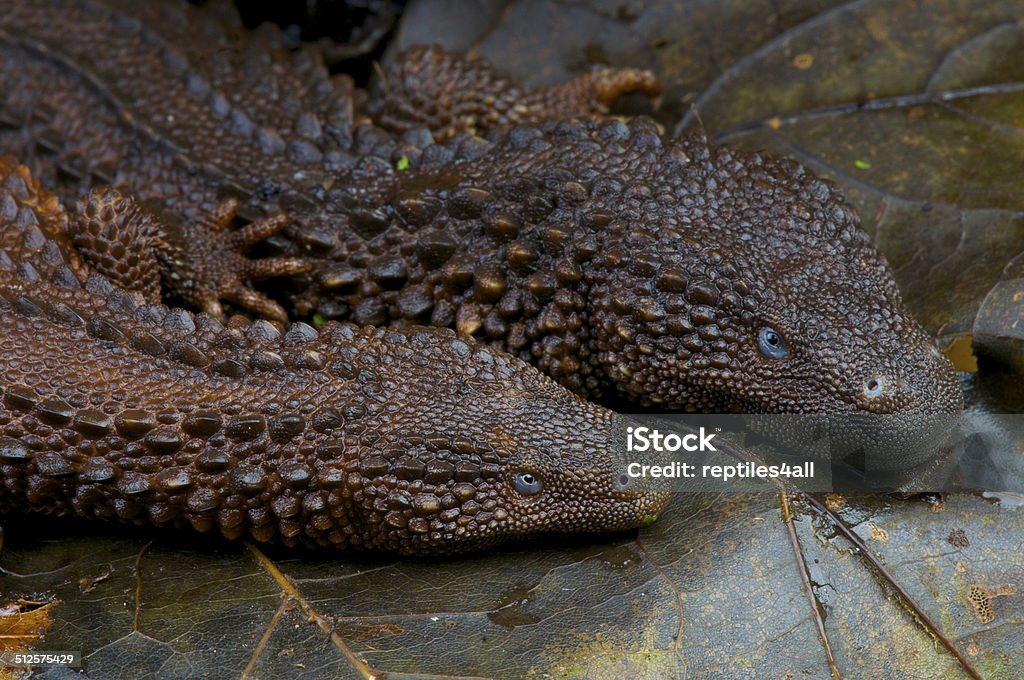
point(808, 588)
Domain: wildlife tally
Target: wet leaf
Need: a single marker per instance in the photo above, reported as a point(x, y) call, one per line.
point(999, 326)
point(645, 606)
point(23, 624)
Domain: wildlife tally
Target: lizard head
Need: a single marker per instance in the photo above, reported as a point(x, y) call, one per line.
point(491, 450)
point(757, 292)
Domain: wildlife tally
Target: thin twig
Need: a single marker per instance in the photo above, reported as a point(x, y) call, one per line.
point(862, 548)
point(742, 454)
point(808, 588)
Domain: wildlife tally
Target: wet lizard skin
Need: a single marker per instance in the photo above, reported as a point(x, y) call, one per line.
point(622, 263)
point(415, 441)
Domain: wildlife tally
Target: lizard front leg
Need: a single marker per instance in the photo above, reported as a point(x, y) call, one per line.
point(202, 262)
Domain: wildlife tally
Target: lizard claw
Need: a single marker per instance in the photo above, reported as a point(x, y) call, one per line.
point(211, 266)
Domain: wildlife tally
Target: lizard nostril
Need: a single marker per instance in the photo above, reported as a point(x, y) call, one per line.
point(624, 482)
point(874, 386)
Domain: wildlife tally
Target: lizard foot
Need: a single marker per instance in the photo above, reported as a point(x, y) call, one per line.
point(428, 87)
point(204, 262)
point(217, 268)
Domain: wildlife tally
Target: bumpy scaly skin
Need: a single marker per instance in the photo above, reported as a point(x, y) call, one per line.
point(619, 262)
point(406, 441)
point(428, 87)
point(79, 128)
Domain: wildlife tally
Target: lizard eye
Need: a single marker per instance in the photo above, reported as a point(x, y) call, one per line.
point(526, 483)
point(771, 343)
